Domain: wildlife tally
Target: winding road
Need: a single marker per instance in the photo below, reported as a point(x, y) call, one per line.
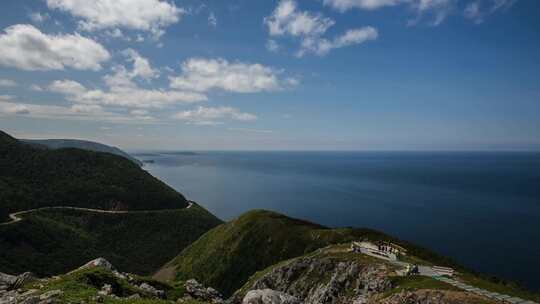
point(16, 216)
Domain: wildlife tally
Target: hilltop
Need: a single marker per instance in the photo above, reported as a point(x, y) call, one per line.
point(226, 256)
point(80, 144)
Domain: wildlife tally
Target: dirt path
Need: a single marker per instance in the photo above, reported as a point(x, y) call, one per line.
point(16, 216)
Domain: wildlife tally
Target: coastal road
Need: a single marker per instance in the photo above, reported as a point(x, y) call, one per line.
point(16, 216)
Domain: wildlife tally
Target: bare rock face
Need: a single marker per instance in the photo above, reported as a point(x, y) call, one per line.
point(269, 296)
point(321, 280)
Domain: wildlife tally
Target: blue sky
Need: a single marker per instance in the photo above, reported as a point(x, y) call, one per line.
point(273, 75)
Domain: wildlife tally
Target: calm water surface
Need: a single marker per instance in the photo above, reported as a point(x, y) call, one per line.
point(482, 209)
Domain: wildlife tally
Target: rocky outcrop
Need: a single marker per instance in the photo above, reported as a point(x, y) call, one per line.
point(196, 291)
point(322, 279)
point(99, 262)
point(149, 289)
point(269, 296)
point(13, 292)
point(9, 282)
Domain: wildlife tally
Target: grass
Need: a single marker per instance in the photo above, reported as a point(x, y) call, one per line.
point(412, 283)
point(56, 241)
point(502, 287)
point(83, 285)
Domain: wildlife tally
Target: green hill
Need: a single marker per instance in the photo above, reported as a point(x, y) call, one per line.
point(80, 144)
point(226, 256)
point(31, 177)
point(54, 241)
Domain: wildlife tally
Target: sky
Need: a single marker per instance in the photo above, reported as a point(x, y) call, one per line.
point(273, 75)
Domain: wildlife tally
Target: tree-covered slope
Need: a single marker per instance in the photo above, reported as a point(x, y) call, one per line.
point(80, 144)
point(50, 242)
point(31, 177)
point(226, 256)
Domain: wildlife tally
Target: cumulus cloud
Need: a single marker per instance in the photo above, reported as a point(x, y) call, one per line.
point(7, 83)
point(201, 75)
point(26, 47)
point(144, 15)
point(123, 96)
point(211, 116)
point(288, 20)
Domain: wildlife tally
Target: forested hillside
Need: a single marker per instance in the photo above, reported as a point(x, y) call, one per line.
point(31, 177)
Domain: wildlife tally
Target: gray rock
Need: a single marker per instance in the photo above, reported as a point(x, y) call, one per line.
point(152, 290)
point(50, 294)
point(316, 280)
point(7, 279)
point(268, 296)
point(99, 262)
point(197, 291)
point(106, 290)
point(31, 300)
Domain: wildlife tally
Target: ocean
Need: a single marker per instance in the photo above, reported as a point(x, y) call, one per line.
point(481, 209)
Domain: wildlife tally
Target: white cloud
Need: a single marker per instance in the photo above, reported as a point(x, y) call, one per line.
point(211, 116)
point(36, 88)
point(472, 11)
point(344, 5)
point(7, 83)
point(123, 96)
point(201, 75)
point(478, 10)
point(25, 47)
point(141, 65)
point(212, 20)
point(75, 112)
point(144, 15)
point(272, 45)
point(117, 33)
point(321, 47)
point(437, 10)
point(288, 20)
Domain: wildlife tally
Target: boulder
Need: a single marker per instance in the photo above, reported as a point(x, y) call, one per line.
point(99, 262)
point(8, 282)
point(268, 296)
